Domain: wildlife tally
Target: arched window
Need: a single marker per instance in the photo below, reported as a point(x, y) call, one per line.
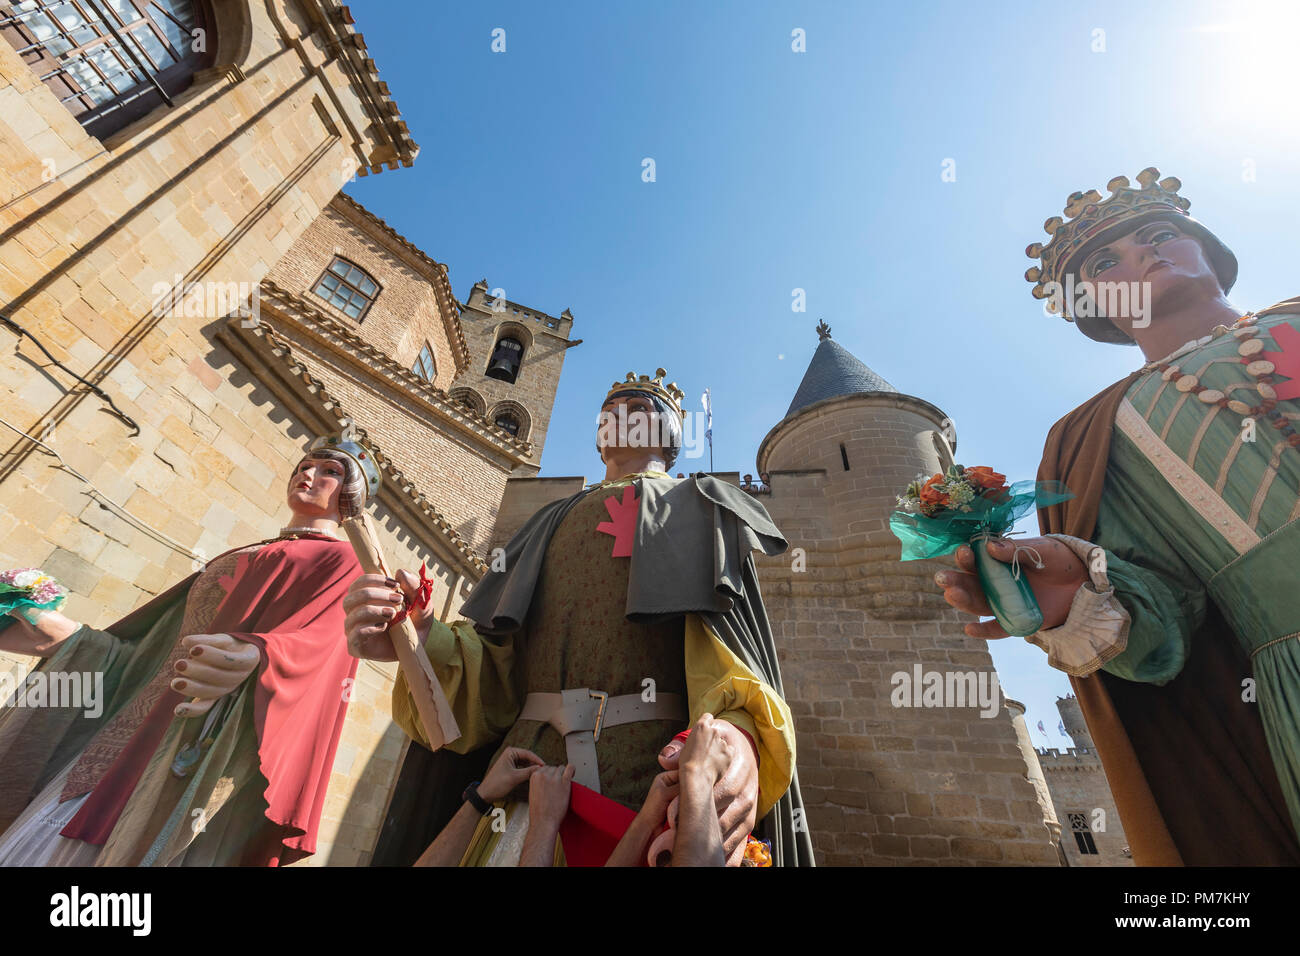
point(110, 61)
point(506, 359)
point(513, 417)
point(470, 399)
point(424, 364)
point(348, 288)
point(508, 422)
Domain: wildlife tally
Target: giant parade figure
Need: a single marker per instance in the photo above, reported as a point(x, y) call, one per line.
point(195, 761)
point(1169, 581)
point(614, 620)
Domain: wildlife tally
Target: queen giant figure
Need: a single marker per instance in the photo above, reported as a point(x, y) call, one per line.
point(224, 700)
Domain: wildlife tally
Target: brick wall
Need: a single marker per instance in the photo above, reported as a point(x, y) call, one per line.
point(405, 314)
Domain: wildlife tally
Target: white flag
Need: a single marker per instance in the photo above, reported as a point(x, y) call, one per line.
point(707, 402)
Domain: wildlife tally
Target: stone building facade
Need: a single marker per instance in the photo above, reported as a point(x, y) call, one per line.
point(1092, 833)
point(173, 258)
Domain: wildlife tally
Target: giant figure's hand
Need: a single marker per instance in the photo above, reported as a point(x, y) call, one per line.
point(736, 792)
point(1054, 586)
point(371, 604)
point(216, 665)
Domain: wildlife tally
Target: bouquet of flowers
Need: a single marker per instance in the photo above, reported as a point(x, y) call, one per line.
point(29, 592)
point(939, 514)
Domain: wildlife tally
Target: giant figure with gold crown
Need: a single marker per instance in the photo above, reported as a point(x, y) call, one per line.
point(224, 701)
point(1169, 581)
point(617, 617)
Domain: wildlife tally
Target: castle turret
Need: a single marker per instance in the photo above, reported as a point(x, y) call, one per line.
point(905, 752)
point(1074, 724)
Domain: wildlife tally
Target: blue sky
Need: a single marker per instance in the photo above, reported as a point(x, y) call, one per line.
point(821, 170)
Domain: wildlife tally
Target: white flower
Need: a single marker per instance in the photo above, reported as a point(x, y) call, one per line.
point(27, 578)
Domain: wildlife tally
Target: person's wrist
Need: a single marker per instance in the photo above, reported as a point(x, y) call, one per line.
point(476, 798)
point(545, 824)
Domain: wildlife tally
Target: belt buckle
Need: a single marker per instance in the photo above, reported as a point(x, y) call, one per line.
point(600, 712)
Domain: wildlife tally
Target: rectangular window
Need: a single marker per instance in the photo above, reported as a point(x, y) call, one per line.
point(348, 288)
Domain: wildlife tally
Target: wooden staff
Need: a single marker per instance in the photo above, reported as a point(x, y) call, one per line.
point(430, 702)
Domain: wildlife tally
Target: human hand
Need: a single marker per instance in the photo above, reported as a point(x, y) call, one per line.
point(707, 753)
point(513, 767)
point(371, 603)
point(217, 664)
point(1054, 585)
point(663, 791)
point(548, 796)
point(735, 792)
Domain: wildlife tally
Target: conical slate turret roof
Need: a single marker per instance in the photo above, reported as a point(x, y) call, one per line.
point(834, 371)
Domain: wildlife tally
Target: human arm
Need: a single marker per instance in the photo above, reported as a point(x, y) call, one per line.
point(548, 801)
point(705, 758)
point(514, 766)
point(41, 639)
point(654, 811)
point(719, 683)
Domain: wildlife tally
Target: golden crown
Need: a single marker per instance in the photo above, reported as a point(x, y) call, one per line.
point(670, 393)
point(1090, 216)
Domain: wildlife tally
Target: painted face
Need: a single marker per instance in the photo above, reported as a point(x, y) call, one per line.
point(314, 488)
point(1158, 255)
point(628, 421)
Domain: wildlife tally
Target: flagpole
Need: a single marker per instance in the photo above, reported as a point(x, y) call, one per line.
point(706, 400)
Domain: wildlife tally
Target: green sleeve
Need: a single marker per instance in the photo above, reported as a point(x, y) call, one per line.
point(1164, 598)
point(478, 676)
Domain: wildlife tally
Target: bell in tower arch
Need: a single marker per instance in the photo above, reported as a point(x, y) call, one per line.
point(505, 360)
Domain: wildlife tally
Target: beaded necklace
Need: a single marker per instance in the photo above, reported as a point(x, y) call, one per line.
point(1249, 346)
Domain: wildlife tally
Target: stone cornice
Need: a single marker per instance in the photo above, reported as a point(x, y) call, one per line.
point(299, 313)
point(430, 268)
point(389, 129)
point(250, 341)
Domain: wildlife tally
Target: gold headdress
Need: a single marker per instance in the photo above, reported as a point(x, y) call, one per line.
point(669, 394)
point(1093, 220)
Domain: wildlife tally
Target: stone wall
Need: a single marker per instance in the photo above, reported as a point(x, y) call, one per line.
point(532, 394)
point(92, 234)
point(883, 784)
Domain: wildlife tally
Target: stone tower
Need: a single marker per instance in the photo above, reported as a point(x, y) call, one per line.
point(889, 775)
point(1092, 833)
point(517, 354)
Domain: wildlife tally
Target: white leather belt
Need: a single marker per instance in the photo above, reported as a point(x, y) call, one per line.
point(580, 714)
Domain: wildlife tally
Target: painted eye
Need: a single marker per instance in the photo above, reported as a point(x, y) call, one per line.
point(1101, 264)
point(1162, 235)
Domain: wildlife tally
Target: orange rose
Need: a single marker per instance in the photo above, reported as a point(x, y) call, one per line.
point(932, 495)
point(984, 478)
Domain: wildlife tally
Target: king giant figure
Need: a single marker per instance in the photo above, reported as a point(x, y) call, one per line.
point(617, 617)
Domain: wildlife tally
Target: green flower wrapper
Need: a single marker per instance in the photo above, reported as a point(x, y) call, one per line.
point(29, 592)
point(1009, 595)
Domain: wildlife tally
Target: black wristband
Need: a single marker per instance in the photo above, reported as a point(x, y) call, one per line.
point(471, 797)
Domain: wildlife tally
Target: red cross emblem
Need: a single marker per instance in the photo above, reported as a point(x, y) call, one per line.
point(622, 523)
point(1287, 360)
